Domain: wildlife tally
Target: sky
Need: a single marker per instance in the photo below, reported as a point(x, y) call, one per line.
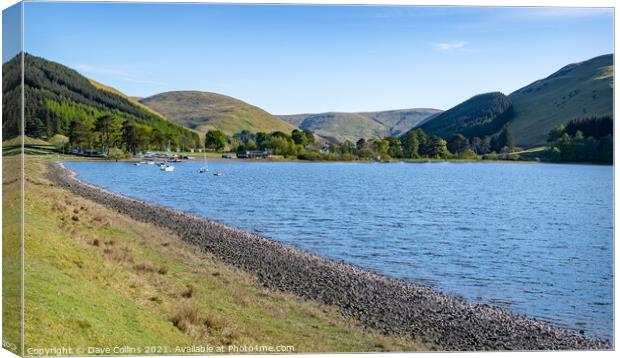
point(297, 59)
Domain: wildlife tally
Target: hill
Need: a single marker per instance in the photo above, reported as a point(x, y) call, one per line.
point(576, 90)
point(205, 110)
point(479, 116)
point(340, 126)
point(132, 99)
point(56, 97)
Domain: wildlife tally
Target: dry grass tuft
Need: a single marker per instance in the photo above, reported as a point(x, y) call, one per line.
point(213, 322)
point(117, 255)
point(156, 299)
point(191, 321)
point(96, 242)
point(144, 267)
point(149, 267)
point(190, 292)
point(187, 319)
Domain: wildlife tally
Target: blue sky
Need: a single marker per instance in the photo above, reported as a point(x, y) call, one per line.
point(295, 59)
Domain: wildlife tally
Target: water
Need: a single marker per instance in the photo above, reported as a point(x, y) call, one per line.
point(535, 238)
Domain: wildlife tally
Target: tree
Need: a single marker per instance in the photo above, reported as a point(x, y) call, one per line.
point(244, 136)
point(556, 133)
point(594, 126)
point(299, 137)
point(116, 154)
point(59, 141)
point(381, 146)
point(80, 133)
point(361, 144)
point(411, 145)
point(395, 147)
point(310, 136)
point(437, 148)
point(485, 145)
point(505, 138)
point(251, 145)
point(458, 144)
point(280, 134)
point(109, 131)
point(261, 140)
point(281, 145)
point(480, 146)
point(157, 137)
point(130, 137)
point(145, 133)
point(424, 141)
point(215, 139)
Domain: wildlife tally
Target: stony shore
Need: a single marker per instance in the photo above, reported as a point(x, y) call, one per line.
point(393, 307)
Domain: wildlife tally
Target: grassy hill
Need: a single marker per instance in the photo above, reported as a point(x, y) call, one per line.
point(479, 116)
point(579, 89)
point(340, 126)
point(132, 99)
point(55, 96)
point(97, 278)
point(202, 111)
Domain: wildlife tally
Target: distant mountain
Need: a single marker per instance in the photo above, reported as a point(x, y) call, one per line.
point(479, 116)
point(579, 89)
point(205, 110)
point(340, 126)
point(56, 95)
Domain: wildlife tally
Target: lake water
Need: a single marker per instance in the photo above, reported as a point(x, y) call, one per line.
point(535, 238)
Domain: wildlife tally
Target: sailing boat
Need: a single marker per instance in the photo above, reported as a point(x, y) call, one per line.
point(205, 168)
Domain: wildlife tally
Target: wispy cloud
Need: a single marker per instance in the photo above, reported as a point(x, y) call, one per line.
point(116, 73)
point(451, 46)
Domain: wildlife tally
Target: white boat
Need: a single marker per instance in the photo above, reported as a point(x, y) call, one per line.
point(205, 168)
point(167, 168)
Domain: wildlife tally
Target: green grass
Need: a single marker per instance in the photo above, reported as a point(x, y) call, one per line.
point(576, 90)
point(11, 254)
point(95, 277)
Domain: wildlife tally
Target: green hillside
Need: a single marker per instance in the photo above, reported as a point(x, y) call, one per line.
point(576, 90)
point(479, 116)
point(58, 97)
point(205, 110)
point(340, 126)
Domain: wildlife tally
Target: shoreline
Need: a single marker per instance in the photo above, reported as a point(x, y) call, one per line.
point(391, 306)
point(393, 161)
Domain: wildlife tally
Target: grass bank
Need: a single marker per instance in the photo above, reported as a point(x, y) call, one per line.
point(94, 277)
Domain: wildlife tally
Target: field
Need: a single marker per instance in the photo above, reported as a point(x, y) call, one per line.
point(97, 278)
